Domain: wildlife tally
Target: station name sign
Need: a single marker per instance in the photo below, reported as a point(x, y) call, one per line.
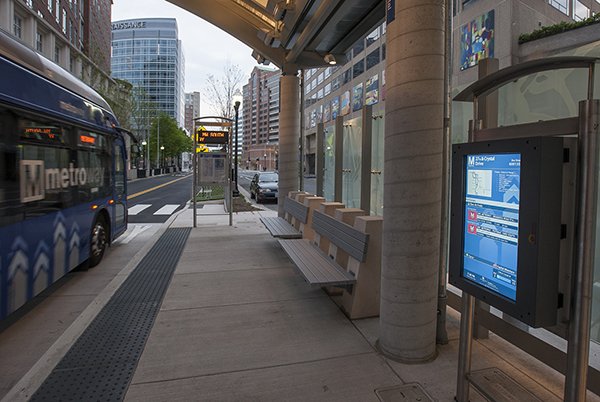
point(212, 137)
point(128, 25)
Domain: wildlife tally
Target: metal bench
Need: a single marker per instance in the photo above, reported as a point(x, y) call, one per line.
point(281, 227)
point(353, 260)
point(319, 268)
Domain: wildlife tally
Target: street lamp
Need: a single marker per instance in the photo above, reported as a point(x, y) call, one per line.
point(158, 142)
point(162, 148)
point(237, 100)
point(265, 166)
point(147, 151)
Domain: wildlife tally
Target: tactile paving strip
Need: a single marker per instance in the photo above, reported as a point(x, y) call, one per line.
point(101, 363)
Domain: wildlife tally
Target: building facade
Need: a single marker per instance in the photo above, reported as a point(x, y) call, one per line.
point(260, 115)
point(192, 110)
point(74, 34)
point(148, 54)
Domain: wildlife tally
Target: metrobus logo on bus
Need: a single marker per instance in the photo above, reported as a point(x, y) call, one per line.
point(35, 179)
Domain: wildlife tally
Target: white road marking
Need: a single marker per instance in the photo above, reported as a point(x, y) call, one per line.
point(136, 209)
point(135, 230)
point(167, 209)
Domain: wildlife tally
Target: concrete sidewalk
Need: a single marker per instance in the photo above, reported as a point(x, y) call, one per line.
point(239, 324)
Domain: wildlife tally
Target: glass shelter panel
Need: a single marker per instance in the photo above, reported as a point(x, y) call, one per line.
point(377, 164)
point(329, 163)
point(546, 95)
point(352, 163)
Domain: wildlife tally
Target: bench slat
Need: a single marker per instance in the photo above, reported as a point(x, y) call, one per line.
point(296, 209)
point(316, 267)
point(349, 239)
point(279, 227)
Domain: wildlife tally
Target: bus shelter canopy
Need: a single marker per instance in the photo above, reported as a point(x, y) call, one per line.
point(292, 34)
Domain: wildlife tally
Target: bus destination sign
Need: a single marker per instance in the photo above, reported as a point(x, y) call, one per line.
point(212, 137)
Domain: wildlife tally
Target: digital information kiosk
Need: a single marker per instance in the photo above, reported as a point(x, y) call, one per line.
point(505, 225)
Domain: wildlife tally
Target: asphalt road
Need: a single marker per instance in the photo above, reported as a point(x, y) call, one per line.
point(155, 199)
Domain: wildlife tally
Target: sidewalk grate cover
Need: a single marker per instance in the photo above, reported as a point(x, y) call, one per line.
point(101, 363)
point(413, 392)
point(496, 385)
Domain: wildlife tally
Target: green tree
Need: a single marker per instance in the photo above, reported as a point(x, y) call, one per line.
point(164, 132)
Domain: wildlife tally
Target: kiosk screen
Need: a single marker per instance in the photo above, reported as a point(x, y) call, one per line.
point(491, 208)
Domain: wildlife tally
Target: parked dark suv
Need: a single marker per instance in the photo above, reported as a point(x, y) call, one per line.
point(264, 186)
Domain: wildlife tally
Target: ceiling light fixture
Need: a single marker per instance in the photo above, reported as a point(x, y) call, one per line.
point(330, 59)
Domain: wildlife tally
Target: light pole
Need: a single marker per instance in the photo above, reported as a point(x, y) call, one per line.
point(158, 143)
point(237, 100)
point(144, 143)
point(265, 165)
point(162, 149)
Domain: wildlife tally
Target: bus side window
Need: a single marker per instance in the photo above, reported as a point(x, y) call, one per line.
point(93, 156)
point(9, 184)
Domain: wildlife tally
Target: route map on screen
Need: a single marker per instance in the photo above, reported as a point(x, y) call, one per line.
point(492, 221)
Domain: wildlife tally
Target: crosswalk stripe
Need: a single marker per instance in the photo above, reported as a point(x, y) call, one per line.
point(167, 209)
point(136, 209)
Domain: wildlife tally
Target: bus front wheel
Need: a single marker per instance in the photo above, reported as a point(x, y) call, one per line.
point(98, 242)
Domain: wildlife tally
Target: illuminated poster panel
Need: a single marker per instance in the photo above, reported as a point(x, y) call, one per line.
point(491, 233)
point(345, 103)
point(372, 90)
point(335, 107)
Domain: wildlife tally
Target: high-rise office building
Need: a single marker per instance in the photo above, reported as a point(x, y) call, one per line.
point(260, 115)
point(148, 53)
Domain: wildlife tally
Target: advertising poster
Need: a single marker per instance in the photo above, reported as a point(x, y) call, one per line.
point(372, 90)
point(477, 40)
point(319, 112)
point(335, 108)
point(345, 101)
point(327, 112)
point(357, 97)
point(383, 85)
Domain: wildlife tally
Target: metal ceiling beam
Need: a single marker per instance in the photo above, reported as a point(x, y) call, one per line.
point(235, 20)
point(375, 16)
point(314, 26)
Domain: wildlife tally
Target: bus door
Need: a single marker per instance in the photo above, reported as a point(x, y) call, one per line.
point(120, 194)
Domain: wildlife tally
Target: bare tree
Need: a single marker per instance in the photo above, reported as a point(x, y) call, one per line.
point(220, 90)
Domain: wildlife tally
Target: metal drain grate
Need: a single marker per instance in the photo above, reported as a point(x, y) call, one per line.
point(101, 363)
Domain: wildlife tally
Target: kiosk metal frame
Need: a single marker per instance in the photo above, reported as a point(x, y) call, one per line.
point(224, 123)
point(586, 127)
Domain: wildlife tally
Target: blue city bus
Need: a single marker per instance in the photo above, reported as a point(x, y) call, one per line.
point(62, 175)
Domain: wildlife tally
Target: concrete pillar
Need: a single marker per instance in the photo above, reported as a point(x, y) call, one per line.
point(289, 132)
point(412, 185)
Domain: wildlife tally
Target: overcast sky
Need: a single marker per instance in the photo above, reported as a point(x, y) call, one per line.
point(205, 46)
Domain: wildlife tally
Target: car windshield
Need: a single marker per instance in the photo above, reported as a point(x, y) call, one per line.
point(268, 177)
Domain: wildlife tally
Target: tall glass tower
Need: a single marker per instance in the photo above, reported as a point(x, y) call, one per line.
point(147, 53)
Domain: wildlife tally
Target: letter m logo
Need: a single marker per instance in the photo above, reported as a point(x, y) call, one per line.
point(32, 180)
point(470, 160)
